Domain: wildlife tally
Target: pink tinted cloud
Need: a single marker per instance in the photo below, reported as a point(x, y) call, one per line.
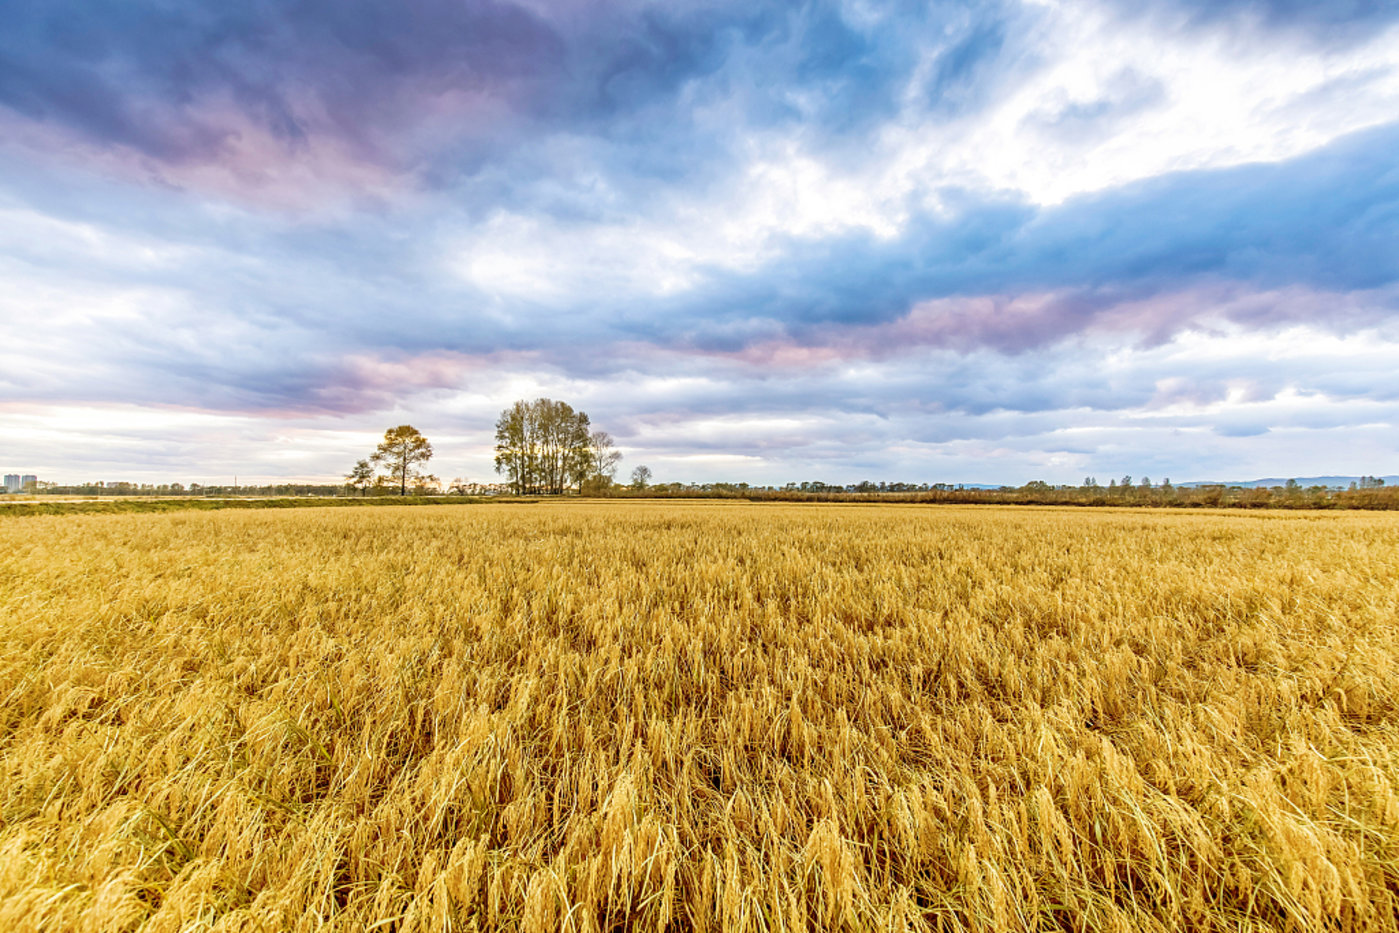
point(273, 104)
point(1005, 323)
point(364, 382)
point(216, 148)
point(1021, 323)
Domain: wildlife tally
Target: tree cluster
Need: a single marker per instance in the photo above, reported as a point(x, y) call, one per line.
point(542, 447)
point(399, 453)
point(545, 447)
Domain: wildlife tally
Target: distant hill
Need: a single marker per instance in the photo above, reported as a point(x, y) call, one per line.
point(1337, 481)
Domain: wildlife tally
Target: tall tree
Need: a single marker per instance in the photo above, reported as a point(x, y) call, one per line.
point(401, 450)
point(542, 446)
point(570, 430)
point(515, 446)
point(557, 423)
point(641, 477)
point(361, 476)
point(603, 455)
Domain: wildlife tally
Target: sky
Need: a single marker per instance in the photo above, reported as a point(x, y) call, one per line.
point(923, 242)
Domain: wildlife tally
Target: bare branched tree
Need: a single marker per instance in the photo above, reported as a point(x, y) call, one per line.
point(605, 456)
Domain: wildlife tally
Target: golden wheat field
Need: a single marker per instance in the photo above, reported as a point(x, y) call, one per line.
point(709, 716)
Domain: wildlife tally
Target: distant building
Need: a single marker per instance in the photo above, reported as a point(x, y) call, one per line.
point(27, 481)
point(13, 482)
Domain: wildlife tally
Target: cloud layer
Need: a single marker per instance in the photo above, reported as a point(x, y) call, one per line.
point(933, 242)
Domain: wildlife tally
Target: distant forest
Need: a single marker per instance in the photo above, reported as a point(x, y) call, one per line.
point(1035, 493)
point(547, 448)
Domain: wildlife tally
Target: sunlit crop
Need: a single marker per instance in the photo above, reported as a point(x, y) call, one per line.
point(699, 716)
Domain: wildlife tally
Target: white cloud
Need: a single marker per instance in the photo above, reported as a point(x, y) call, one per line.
point(1206, 405)
point(265, 311)
point(1222, 102)
point(1084, 102)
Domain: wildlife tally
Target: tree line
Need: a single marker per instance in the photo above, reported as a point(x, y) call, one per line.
point(546, 447)
point(1370, 493)
point(404, 451)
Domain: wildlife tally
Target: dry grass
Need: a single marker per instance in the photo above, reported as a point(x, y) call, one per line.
point(706, 716)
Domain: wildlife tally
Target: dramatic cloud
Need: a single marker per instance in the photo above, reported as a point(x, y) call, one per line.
point(940, 241)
